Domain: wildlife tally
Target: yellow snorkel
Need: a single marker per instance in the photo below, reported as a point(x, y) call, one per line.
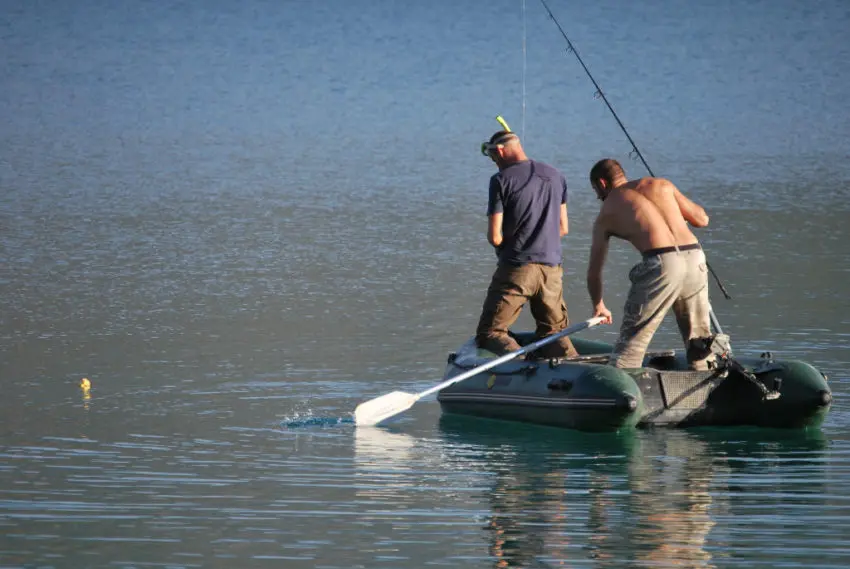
point(486, 147)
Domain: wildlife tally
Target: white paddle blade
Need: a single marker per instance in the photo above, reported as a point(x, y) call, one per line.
point(381, 408)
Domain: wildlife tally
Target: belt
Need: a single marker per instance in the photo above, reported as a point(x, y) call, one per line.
point(674, 248)
point(522, 264)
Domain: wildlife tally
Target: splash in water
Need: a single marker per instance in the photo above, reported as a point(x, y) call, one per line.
point(302, 420)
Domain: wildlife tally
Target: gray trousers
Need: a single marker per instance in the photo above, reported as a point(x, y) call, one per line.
point(677, 280)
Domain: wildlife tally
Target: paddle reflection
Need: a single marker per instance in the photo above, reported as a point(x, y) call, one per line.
point(383, 463)
point(648, 498)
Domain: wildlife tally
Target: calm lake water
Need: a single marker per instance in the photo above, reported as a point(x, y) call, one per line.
point(239, 220)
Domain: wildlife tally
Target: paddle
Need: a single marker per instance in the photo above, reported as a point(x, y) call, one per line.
point(382, 408)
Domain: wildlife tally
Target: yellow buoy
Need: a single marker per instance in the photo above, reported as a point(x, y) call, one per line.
point(85, 384)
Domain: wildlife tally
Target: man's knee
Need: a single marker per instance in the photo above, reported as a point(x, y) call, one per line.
point(498, 343)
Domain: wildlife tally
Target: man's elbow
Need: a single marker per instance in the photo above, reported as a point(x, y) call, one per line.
point(701, 219)
point(495, 240)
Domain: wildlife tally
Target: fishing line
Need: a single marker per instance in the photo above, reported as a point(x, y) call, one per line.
point(524, 67)
point(635, 150)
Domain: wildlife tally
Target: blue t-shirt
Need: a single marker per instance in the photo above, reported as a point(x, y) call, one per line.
point(529, 194)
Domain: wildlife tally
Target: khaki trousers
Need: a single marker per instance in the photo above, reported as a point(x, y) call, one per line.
point(511, 287)
point(677, 280)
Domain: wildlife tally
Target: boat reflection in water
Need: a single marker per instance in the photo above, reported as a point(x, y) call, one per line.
point(646, 498)
point(670, 495)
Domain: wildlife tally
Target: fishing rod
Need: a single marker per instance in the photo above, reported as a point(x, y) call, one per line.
point(635, 150)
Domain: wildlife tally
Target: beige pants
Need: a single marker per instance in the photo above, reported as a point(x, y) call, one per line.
point(678, 280)
point(541, 286)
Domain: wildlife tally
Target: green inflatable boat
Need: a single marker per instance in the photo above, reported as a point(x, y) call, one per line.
point(583, 393)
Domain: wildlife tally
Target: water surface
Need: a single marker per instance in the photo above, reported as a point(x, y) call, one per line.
point(239, 221)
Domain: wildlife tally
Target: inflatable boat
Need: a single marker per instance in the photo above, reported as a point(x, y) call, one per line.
point(586, 394)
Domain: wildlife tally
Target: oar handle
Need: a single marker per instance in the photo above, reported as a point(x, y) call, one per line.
point(508, 357)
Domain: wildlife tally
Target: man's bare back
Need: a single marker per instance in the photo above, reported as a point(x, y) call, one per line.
point(650, 213)
point(653, 215)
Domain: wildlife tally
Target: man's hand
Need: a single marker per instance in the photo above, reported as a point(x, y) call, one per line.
point(602, 311)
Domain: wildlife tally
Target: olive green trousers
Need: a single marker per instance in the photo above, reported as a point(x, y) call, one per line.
point(542, 287)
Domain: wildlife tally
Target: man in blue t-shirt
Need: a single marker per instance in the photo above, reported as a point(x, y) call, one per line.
point(527, 213)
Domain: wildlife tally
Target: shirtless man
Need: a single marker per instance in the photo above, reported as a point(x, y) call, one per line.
point(653, 215)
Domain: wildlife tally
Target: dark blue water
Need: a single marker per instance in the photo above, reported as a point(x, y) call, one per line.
point(240, 220)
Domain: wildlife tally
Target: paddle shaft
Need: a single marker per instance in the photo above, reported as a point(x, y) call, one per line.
point(508, 357)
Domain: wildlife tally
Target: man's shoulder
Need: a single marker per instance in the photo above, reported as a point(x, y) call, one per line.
point(650, 182)
point(522, 171)
point(545, 169)
point(606, 210)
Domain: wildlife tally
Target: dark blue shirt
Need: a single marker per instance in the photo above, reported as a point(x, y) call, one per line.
point(529, 194)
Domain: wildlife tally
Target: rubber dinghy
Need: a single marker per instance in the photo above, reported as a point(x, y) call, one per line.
point(583, 393)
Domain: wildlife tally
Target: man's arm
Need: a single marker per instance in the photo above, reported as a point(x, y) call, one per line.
point(565, 227)
point(494, 229)
point(494, 213)
point(598, 252)
point(692, 212)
